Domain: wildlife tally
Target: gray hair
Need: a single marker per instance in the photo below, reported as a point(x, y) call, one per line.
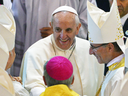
point(76, 18)
point(50, 81)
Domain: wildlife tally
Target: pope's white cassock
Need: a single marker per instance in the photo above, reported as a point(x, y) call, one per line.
point(32, 15)
point(88, 72)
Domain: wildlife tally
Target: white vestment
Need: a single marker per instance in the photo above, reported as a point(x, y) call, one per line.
point(6, 86)
point(112, 81)
point(19, 89)
point(88, 72)
point(32, 15)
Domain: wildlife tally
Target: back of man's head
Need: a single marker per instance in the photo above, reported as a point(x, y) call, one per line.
point(58, 70)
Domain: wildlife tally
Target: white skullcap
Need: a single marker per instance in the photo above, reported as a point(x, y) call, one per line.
point(104, 27)
point(65, 8)
point(7, 27)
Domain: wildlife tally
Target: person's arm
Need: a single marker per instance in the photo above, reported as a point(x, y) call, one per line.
point(19, 90)
point(36, 91)
point(82, 12)
point(32, 72)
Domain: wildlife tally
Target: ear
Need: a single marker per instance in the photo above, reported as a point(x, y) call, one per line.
point(72, 80)
point(78, 27)
point(44, 80)
point(111, 47)
point(50, 24)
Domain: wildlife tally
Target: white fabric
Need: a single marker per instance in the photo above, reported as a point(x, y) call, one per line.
point(88, 72)
point(123, 19)
point(117, 59)
point(6, 86)
point(106, 25)
point(8, 4)
point(4, 53)
point(7, 27)
point(19, 90)
point(115, 77)
point(31, 15)
point(121, 88)
point(124, 85)
point(126, 54)
point(36, 91)
point(112, 81)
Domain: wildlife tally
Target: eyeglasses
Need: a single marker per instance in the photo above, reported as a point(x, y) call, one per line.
point(93, 47)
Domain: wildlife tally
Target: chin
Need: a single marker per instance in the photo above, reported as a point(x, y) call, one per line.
point(64, 48)
point(100, 62)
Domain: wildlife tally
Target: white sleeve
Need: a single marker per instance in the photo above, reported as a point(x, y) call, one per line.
point(32, 72)
point(36, 91)
point(19, 90)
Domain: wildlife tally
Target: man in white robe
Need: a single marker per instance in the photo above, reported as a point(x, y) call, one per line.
point(33, 15)
point(107, 45)
point(63, 42)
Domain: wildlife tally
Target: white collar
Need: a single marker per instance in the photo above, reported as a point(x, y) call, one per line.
point(117, 59)
point(123, 19)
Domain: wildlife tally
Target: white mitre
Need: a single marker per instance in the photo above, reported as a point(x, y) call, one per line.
point(7, 27)
point(104, 27)
point(65, 8)
point(4, 53)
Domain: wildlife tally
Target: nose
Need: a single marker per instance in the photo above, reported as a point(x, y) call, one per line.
point(62, 34)
point(90, 51)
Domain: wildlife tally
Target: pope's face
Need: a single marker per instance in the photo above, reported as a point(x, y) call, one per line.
point(65, 29)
